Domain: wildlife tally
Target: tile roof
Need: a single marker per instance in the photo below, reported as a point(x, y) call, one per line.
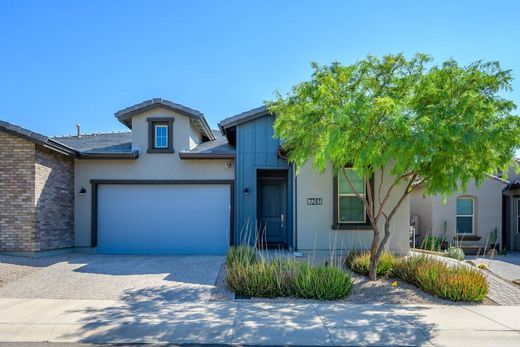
point(242, 118)
point(39, 139)
point(116, 142)
point(125, 115)
point(218, 149)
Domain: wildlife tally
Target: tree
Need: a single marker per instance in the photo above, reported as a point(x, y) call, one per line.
point(436, 127)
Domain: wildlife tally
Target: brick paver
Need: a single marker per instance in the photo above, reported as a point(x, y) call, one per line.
point(501, 291)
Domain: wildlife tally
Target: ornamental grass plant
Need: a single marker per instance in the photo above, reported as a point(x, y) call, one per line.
point(248, 275)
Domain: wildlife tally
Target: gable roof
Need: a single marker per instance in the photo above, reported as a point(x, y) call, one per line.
point(242, 118)
point(99, 146)
point(36, 138)
point(125, 115)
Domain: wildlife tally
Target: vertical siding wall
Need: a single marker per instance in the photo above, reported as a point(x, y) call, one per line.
point(256, 149)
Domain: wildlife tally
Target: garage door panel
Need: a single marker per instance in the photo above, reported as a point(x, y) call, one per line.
point(155, 219)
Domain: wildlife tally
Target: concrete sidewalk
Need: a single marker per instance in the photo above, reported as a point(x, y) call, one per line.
point(112, 321)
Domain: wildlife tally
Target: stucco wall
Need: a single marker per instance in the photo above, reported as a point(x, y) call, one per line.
point(150, 166)
point(314, 222)
point(421, 205)
point(488, 211)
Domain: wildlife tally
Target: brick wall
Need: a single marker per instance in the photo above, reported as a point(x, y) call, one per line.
point(54, 200)
point(36, 197)
point(17, 208)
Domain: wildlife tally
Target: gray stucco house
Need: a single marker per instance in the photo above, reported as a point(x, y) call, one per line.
point(476, 218)
point(173, 185)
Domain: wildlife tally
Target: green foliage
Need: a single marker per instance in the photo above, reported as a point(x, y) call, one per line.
point(455, 283)
point(322, 282)
point(436, 126)
point(482, 266)
point(249, 276)
point(448, 124)
point(406, 268)
point(494, 237)
point(240, 254)
point(431, 243)
point(456, 253)
point(360, 263)
point(459, 283)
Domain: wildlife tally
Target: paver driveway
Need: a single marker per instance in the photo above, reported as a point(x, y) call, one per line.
point(115, 277)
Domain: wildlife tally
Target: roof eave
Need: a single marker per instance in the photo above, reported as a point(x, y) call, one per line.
point(111, 156)
point(188, 156)
point(49, 144)
point(242, 118)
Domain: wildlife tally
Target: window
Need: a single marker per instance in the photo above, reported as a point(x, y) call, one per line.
point(161, 136)
point(465, 215)
point(351, 209)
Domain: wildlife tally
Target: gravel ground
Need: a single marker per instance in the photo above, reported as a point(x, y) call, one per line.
point(14, 268)
point(363, 292)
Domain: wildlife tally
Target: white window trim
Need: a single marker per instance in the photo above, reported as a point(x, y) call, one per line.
point(466, 215)
point(157, 126)
point(350, 195)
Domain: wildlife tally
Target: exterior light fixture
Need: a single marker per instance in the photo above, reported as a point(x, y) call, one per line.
point(246, 191)
point(82, 191)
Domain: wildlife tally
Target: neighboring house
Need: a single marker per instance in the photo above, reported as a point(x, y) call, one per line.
point(173, 185)
point(511, 204)
point(477, 217)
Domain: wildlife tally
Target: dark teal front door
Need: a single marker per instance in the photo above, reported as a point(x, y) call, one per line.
point(272, 211)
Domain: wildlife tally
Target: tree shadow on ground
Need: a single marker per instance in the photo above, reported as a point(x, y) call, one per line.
point(150, 315)
point(183, 269)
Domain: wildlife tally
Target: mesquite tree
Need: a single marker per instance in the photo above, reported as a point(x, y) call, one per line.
point(437, 127)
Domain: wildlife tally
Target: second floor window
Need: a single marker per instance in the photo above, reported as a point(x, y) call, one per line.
point(161, 136)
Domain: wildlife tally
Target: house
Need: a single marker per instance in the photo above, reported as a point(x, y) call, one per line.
point(173, 185)
point(475, 219)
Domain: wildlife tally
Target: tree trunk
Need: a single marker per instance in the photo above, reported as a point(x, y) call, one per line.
point(376, 250)
point(372, 269)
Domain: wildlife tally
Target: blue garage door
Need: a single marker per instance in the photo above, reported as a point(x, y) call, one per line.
point(163, 219)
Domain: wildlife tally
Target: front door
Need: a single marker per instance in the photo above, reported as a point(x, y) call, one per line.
point(272, 211)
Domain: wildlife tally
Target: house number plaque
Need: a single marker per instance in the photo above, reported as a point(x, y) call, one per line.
point(314, 201)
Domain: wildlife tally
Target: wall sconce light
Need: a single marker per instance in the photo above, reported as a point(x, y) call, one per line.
point(82, 191)
point(246, 191)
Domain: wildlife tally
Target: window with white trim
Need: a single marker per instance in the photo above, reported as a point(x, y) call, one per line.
point(465, 215)
point(351, 208)
point(161, 136)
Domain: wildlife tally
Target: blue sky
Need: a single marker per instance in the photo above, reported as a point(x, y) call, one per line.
point(68, 62)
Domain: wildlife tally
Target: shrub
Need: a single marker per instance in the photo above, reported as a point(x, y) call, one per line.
point(262, 279)
point(406, 268)
point(360, 263)
point(431, 243)
point(456, 253)
point(459, 283)
point(322, 282)
point(240, 254)
point(482, 266)
point(281, 277)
